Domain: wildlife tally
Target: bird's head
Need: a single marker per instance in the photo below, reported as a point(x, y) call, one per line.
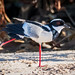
point(58, 25)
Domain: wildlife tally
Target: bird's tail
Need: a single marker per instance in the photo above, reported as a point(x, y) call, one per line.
point(14, 30)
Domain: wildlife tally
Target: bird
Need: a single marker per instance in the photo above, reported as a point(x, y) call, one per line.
point(36, 31)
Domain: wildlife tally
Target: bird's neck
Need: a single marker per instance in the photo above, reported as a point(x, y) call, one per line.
point(54, 32)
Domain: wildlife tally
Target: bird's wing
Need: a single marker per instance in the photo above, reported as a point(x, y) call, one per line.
point(28, 29)
point(44, 27)
point(35, 22)
point(17, 36)
point(32, 30)
point(14, 28)
point(15, 31)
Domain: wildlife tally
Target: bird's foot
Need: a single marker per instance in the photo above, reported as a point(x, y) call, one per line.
point(43, 65)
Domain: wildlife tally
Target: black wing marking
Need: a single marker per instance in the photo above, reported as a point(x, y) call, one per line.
point(39, 24)
point(14, 36)
point(15, 29)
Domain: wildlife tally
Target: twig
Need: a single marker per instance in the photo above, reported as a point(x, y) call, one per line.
point(5, 15)
point(19, 19)
point(69, 16)
point(61, 41)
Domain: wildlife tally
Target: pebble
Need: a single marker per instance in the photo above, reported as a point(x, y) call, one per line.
point(0, 70)
point(29, 65)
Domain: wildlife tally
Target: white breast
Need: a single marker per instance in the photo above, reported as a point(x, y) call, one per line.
point(44, 37)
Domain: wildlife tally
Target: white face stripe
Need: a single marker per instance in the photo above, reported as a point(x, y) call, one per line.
point(58, 28)
point(57, 20)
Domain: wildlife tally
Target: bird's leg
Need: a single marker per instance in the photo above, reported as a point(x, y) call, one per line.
point(39, 55)
point(7, 42)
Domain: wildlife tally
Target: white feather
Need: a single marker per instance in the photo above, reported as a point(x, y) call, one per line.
point(58, 28)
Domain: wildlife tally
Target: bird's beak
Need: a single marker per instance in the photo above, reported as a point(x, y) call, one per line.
point(66, 26)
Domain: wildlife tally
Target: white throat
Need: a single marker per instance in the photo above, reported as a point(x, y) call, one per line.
point(58, 29)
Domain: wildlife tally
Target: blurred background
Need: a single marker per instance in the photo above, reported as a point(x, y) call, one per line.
point(41, 10)
point(38, 10)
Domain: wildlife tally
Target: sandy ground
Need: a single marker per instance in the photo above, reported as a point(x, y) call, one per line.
point(26, 63)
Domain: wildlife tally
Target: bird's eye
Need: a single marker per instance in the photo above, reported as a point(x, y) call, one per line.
point(58, 23)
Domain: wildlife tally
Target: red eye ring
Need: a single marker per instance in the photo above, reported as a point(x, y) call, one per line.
point(58, 23)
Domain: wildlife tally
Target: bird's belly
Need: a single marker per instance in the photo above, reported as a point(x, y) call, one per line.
point(44, 37)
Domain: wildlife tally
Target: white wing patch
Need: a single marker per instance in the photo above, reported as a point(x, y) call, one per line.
point(21, 36)
point(58, 29)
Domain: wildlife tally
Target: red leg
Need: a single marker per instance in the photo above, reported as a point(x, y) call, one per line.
point(39, 55)
point(7, 42)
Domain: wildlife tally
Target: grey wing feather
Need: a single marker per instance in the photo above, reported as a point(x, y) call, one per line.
point(32, 30)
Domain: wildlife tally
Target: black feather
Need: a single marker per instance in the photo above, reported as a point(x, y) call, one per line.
point(14, 36)
point(15, 29)
point(35, 23)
